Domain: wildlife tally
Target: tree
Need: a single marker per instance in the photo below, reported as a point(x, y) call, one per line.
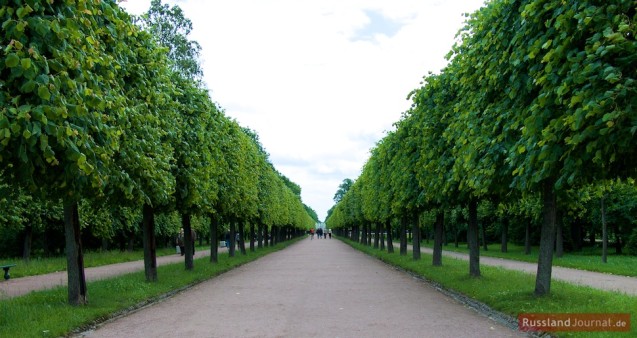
point(146, 154)
point(58, 130)
point(171, 29)
point(343, 188)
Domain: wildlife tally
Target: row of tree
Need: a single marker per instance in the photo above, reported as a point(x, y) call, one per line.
point(537, 102)
point(98, 109)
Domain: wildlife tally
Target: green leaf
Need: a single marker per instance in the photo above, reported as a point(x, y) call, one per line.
point(26, 63)
point(23, 11)
point(43, 93)
point(12, 60)
point(521, 149)
point(28, 87)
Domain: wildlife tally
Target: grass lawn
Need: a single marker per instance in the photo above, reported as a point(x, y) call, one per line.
point(589, 259)
point(47, 313)
point(511, 292)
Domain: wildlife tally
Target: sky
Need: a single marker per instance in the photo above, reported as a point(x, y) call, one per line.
point(320, 81)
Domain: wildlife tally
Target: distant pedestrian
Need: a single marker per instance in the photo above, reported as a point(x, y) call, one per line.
point(180, 242)
point(311, 233)
point(330, 233)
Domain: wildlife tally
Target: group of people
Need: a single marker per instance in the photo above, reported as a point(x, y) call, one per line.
point(237, 238)
point(321, 233)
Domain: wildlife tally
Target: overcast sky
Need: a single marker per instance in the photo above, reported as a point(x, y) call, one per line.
point(320, 81)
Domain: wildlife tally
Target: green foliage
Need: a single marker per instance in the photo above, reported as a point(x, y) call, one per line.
point(343, 188)
point(58, 96)
point(93, 109)
point(535, 91)
point(171, 29)
point(632, 243)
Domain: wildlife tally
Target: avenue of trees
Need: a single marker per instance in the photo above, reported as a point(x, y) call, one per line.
point(529, 130)
point(109, 137)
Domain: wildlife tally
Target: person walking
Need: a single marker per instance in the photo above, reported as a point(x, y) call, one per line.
point(312, 234)
point(329, 231)
point(180, 242)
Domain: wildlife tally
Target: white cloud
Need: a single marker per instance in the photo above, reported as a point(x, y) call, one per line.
point(318, 84)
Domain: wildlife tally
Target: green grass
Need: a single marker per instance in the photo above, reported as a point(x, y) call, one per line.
point(511, 292)
point(40, 266)
point(589, 259)
point(47, 313)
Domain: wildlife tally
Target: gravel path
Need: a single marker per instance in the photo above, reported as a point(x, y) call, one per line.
point(19, 286)
point(314, 288)
point(597, 280)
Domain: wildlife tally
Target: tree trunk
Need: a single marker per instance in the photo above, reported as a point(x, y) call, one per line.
point(150, 246)
point(427, 234)
point(242, 241)
point(377, 235)
point(403, 235)
point(369, 234)
point(74, 258)
point(547, 240)
point(445, 240)
point(214, 238)
point(438, 234)
point(505, 235)
point(233, 237)
point(266, 234)
point(390, 244)
point(188, 241)
point(260, 235)
point(382, 236)
point(415, 242)
point(527, 238)
point(273, 234)
point(472, 240)
point(456, 239)
point(28, 243)
point(252, 235)
point(604, 233)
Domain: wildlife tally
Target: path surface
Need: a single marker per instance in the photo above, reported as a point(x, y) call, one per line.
point(314, 288)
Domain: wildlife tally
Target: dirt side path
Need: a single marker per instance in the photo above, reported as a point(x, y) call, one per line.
point(597, 280)
point(19, 286)
point(314, 288)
